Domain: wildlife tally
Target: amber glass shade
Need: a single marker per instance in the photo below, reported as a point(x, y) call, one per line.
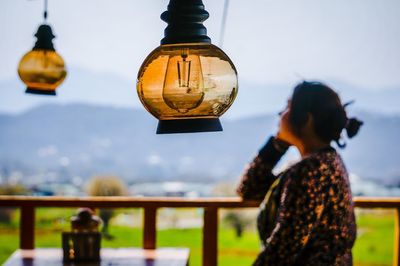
point(42, 71)
point(187, 81)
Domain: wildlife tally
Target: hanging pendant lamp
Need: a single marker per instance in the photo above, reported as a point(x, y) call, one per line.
point(187, 83)
point(42, 69)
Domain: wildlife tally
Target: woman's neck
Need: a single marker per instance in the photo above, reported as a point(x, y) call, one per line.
point(310, 146)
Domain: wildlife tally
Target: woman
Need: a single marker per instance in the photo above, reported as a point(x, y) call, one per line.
point(307, 215)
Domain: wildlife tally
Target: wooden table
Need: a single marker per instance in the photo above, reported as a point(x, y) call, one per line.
point(109, 257)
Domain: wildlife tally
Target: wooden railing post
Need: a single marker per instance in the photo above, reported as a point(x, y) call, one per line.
point(210, 236)
point(27, 228)
point(149, 227)
point(396, 250)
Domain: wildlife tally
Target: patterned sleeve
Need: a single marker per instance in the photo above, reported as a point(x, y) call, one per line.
point(301, 205)
point(258, 176)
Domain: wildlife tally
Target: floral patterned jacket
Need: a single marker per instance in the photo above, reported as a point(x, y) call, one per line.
point(307, 216)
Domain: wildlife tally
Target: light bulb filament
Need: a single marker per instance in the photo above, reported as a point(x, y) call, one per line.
point(183, 72)
point(184, 69)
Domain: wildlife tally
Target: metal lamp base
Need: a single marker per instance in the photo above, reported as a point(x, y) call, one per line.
point(40, 92)
point(189, 125)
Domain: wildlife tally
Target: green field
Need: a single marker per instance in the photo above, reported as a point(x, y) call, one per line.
point(374, 245)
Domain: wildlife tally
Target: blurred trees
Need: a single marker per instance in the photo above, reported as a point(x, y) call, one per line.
point(106, 186)
point(238, 220)
point(10, 189)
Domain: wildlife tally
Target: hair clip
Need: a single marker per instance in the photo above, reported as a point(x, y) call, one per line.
point(348, 103)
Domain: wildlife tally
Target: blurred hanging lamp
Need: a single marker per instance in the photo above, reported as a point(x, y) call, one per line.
point(42, 69)
point(187, 83)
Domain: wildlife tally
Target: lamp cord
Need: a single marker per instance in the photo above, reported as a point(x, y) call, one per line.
point(45, 11)
point(223, 23)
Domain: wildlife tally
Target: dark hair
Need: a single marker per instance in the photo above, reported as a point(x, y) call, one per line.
point(328, 113)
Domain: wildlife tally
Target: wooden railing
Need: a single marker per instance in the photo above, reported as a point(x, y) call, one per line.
point(151, 205)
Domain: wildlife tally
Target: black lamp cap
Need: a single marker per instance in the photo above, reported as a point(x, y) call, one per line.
point(189, 125)
point(31, 90)
point(45, 38)
point(185, 22)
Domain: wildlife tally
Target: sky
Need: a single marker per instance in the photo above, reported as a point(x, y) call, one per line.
point(271, 42)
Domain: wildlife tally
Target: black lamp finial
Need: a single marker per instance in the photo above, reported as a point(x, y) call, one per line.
point(45, 38)
point(185, 22)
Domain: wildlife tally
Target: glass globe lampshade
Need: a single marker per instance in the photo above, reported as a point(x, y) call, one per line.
point(187, 83)
point(42, 69)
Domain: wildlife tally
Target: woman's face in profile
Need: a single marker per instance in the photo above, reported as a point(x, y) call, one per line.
point(285, 131)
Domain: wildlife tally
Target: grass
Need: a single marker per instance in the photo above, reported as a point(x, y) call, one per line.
point(375, 240)
point(374, 245)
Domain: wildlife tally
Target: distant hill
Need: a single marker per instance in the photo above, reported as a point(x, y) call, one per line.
point(63, 141)
point(88, 87)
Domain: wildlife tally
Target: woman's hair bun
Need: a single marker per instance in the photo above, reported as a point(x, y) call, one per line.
point(353, 126)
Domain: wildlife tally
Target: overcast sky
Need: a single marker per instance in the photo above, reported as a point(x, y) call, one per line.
point(270, 42)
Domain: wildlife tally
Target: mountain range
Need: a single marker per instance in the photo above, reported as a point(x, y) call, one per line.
point(81, 140)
